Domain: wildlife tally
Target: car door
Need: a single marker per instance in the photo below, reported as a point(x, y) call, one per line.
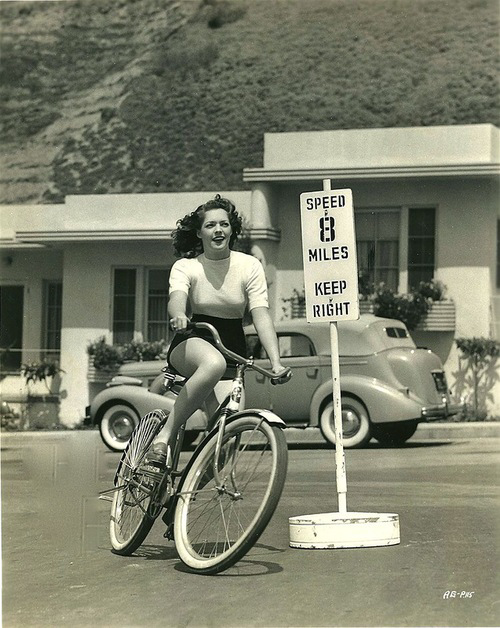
point(290, 401)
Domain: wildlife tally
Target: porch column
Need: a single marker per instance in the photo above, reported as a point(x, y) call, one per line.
point(86, 316)
point(265, 236)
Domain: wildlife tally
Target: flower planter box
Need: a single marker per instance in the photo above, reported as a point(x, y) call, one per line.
point(298, 310)
point(441, 317)
point(365, 307)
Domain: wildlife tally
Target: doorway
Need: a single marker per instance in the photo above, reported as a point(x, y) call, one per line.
point(11, 327)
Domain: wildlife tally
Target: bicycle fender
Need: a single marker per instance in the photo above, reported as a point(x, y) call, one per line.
point(267, 415)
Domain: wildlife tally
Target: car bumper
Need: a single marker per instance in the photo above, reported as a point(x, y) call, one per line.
point(441, 411)
point(87, 419)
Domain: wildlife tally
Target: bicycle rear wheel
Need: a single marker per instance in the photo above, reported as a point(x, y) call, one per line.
point(135, 506)
point(215, 525)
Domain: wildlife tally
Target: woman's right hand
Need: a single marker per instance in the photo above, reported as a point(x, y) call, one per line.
point(179, 322)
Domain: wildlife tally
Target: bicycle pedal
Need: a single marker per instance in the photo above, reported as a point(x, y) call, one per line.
point(152, 472)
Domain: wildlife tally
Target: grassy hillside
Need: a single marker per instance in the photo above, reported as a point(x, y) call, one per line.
point(157, 95)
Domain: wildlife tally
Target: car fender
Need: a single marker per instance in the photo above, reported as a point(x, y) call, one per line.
point(143, 401)
point(384, 403)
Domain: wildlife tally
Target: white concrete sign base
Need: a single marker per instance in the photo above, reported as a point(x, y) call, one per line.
point(336, 530)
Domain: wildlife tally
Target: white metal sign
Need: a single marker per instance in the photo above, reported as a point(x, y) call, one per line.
point(329, 253)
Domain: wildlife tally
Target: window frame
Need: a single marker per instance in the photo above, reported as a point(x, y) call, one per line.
point(145, 283)
point(135, 335)
point(404, 214)
point(399, 211)
point(141, 313)
point(46, 286)
point(417, 206)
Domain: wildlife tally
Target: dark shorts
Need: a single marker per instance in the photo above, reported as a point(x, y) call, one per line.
point(230, 331)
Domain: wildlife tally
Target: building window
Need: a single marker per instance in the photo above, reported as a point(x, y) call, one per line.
point(140, 300)
point(11, 327)
point(377, 244)
point(157, 301)
point(124, 302)
point(52, 317)
point(421, 242)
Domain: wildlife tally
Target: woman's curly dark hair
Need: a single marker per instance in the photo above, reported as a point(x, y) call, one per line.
point(186, 241)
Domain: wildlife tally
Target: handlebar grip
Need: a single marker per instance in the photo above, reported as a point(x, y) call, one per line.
point(282, 379)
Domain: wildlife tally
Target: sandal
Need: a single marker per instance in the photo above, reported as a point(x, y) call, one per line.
point(157, 455)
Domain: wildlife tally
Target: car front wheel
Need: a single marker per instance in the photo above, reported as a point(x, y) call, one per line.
point(116, 426)
point(356, 427)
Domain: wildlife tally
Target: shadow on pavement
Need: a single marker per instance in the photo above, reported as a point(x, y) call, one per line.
point(156, 552)
point(374, 445)
point(411, 445)
point(245, 568)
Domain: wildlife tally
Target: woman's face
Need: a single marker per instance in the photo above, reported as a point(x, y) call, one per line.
point(215, 233)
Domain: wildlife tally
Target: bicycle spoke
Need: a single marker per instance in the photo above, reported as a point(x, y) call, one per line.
point(135, 504)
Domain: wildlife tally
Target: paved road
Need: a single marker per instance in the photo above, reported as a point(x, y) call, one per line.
point(58, 570)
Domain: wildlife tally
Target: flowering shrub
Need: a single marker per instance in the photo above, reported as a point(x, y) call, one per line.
point(138, 351)
point(409, 308)
point(106, 357)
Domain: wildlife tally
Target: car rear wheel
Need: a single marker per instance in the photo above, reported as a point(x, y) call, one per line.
point(394, 433)
point(116, 426)
point(356, 427)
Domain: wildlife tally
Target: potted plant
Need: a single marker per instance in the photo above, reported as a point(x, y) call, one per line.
point(42, 408)
point(480, 372)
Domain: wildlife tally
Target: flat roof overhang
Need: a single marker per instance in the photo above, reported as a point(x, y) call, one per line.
point(373, 173)
point(92, 236)
point(41, 238)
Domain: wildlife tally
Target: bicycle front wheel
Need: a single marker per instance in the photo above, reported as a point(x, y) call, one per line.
point(135, 506)
point(216, 524)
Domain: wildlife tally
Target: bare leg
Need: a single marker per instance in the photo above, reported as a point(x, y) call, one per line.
point(204, 366)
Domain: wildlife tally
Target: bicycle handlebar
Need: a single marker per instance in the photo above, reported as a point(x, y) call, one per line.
point(276, 378)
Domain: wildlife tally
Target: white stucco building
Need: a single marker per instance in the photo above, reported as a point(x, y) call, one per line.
point(426, 206)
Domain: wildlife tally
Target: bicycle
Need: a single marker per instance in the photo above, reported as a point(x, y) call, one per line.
point(218, 505)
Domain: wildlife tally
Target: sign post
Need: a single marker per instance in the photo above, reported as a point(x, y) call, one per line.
point(331, 294)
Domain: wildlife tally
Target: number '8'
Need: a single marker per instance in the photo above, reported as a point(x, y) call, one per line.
point(327, 229)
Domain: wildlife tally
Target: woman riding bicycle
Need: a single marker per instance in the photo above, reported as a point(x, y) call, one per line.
point(210, 283)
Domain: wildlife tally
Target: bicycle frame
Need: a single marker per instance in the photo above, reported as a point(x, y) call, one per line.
point(228, 409)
